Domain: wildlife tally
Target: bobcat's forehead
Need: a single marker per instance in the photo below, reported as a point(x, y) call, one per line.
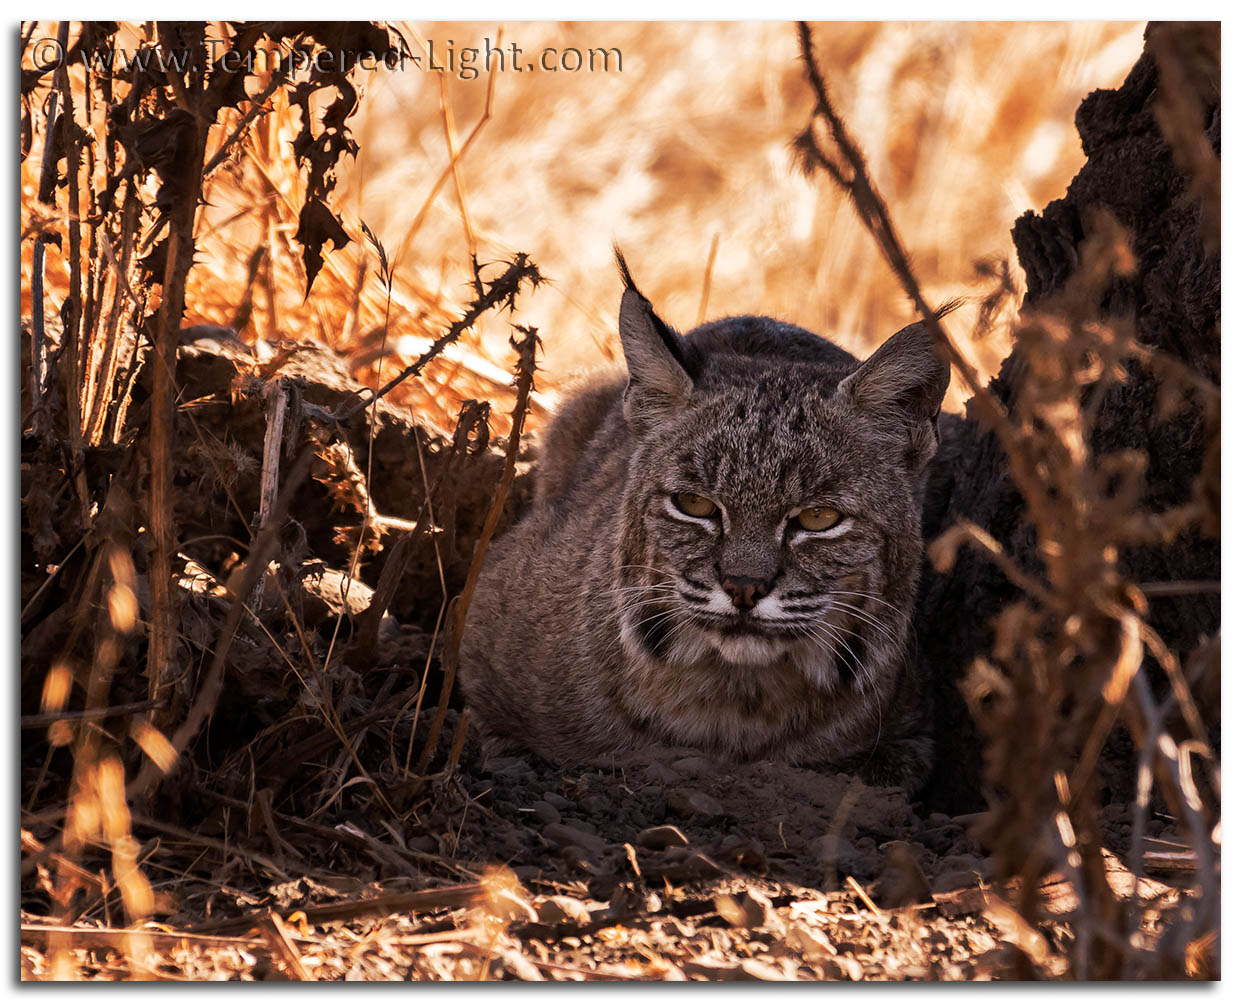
point(771, 449)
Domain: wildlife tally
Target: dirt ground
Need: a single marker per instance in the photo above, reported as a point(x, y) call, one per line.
point(666, 866)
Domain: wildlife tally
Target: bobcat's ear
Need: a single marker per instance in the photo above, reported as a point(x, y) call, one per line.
point(906, 377)
point(658, 358)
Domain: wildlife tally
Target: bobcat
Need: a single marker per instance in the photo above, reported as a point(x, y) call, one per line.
point(722, 554)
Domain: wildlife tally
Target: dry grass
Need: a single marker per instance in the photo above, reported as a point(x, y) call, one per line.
point(691, 145)
point(688, 148)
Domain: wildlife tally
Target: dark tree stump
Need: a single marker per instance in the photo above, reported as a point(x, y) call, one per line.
point(1174, 299)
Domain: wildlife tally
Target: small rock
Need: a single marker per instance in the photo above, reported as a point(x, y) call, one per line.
point(713, 967)
point(545, 812)
point(749, 910)
point(564, 836)
point(740, 850)
point(901, 881)
point(836, 853)
point(762, 970)
point(948, 880)
point(845, 967)
point(557, 801)
point(578, 860)
point(597, 805)
point(694, 804)
point(944, 840)
point(695, 766)
point(658, 772)
point(510, 905)
point(559, 908)
point(661, 837)
point(809, 943)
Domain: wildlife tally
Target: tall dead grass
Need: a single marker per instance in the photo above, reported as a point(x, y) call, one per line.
point(965, 125)
point(684, 150)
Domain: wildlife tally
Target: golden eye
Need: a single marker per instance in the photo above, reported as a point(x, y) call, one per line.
point(818, 519)
point(694, 505)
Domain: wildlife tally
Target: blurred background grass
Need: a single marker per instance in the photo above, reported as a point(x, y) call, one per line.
point(683, 157)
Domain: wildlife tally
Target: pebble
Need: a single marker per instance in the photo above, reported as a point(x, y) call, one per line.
point(902, 880)
point(749, 910)
point(661, 837)
point(961, 862)
point(838, 851)
point(508, 765)
point(694, 803)
point(809, 942)
point(762, 970)
point(740, 850)
point(695, 766)
point(944, 838)
point(564, 836)
point(556, 800)
point(545, 812)
point(948, 880)
point(577, 859)
point(845, 967)
point(658, 772)
point(599, 806)
point(559, 908)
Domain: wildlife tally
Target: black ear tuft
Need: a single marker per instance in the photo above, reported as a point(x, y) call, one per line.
point(660, 361)
point(906, 377)
point(626, 277)
point(678, 346)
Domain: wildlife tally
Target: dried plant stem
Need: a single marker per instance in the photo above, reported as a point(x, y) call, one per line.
point(449, 171)
point(257, 105)
point(1090, 618)
point(256, 565)
point(38, 335)
point(526, 348)
point(707, 278)
point(502, 290)
point(71, 348)
point(277, 394)
point(450, 140)
point(854, 180)
point(163, 405)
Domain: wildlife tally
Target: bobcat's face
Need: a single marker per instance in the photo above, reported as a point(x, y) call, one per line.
point(771, 521)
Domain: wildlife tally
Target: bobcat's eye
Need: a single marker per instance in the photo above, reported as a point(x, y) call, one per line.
point(818, 519)
point(694, 505)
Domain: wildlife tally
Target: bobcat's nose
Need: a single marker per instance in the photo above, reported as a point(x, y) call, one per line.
point(744, 592)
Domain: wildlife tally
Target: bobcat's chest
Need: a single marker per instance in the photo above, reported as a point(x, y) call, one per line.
point(739, 712)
